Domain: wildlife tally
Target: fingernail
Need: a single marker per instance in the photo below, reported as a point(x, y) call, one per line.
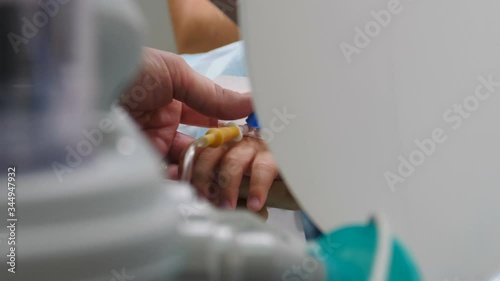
point(254, 204)
point(227, 205)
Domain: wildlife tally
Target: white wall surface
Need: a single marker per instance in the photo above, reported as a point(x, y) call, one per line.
point(160, 34)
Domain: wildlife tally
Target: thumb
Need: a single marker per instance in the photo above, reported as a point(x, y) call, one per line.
point(165, 76)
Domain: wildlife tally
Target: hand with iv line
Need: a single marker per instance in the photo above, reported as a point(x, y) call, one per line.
point(167, 93)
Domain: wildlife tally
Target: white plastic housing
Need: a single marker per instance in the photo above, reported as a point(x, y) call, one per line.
point(346, 89)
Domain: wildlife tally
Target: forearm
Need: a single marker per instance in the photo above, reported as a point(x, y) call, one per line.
point(199, 26)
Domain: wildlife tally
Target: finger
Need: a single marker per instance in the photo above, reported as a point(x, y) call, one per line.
point(213, 193)
point(203, 171)
point(172, 172)
point(263, 213)
point(206, 97)
point(178, 146)
point(264, 171)
point(161, 138)
point(165, 76)
point(153, 85)
point(279, 196)
point(165, 116)
point(233, 165)
point(192, 117)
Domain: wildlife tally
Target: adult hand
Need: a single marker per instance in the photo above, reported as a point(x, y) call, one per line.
point(241, 170)
point(167, 92)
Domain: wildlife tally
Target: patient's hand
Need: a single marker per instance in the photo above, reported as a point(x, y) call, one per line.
point(241, 170)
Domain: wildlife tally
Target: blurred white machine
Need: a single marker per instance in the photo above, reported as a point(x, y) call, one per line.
point(396, 107)
point(386, 151)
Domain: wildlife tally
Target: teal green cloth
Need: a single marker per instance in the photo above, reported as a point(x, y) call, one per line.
point(349, 254)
